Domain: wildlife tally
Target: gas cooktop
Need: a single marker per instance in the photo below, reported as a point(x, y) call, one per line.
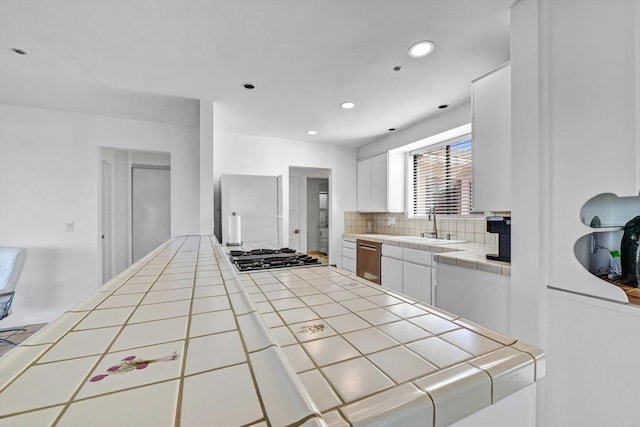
point(263, 259)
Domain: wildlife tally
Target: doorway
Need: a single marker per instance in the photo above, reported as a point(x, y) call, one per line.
point(310, 210)
point(134, 211)
point(150, 208)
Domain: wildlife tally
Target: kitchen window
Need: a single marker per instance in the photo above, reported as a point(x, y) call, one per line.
point(442, 177)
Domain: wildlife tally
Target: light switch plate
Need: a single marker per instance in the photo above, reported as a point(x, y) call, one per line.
point(68, 227)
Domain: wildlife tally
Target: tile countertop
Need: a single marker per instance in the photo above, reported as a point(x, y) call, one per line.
point(181, 339)
point(467, 255)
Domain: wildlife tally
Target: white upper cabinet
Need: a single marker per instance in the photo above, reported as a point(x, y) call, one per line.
point(380, 186)
point(491, 133)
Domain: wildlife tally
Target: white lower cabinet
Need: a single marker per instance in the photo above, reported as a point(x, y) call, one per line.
point(416, 281)
point(476, 295)
point(407, 271)
point(349, 254)
point(391, 273)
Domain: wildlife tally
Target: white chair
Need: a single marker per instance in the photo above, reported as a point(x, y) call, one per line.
point(11, 263)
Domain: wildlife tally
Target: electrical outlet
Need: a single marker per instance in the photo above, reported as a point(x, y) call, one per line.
point(68, 227)
point(391, 220)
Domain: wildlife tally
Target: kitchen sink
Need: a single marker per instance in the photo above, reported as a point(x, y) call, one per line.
point(424, 240)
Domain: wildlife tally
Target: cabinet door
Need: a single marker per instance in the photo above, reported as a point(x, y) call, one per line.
point(491, 105)
point(391, 274)
point(417, 281)
point(363, 186)
point(379, 171)
point(476, 295)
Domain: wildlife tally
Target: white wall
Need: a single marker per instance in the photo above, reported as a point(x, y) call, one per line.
point(574, 135)
point(256, 155)
point(50, 175)
point(445, 120)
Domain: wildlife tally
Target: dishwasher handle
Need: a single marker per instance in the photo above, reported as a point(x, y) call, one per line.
point(368, 247)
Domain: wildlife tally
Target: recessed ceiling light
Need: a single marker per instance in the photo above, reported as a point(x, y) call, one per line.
point(312, 132)
point(421, 48)
point(19, 51)
point(248, 86)
point(443, 106)
point(397, 68)
point(347, 105)
point(391, 129)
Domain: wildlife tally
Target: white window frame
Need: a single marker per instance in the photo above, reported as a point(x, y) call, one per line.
point(409, 176)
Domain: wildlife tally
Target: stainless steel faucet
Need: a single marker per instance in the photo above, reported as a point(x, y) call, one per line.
point(434, 230)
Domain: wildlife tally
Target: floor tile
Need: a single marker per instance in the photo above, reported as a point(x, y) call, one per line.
point(369, 340)
point(403, 331)
point(356, 378)
point(347, 323)
point(27, 391)
point(81, 343)
point(439, 352)
point(211, 323)
point(149, 333)
point(214, 351)
point(320, 390)
point(330, 350)
point(400, 364)
point(133, 368)
point(227, 396)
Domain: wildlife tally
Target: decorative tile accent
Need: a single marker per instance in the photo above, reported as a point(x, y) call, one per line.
point(313, 330)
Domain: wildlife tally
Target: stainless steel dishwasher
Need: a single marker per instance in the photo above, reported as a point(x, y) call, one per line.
point(368, 260)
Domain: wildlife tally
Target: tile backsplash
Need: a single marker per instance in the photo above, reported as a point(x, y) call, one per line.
point(470, 229)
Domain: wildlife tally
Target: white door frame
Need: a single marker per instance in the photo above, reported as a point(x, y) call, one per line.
point(106, 221)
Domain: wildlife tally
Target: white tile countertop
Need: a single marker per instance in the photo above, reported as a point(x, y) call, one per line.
point(467, 254)
point(181, 339)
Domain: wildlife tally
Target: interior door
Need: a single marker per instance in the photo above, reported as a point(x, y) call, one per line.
point(150, 208)
point(106, 226)
point(294, 213)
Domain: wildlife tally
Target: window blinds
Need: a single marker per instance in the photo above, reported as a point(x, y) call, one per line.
point(443, 177)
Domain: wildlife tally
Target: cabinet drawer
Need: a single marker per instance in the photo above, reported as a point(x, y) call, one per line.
point(417, 257)
point(349, 244)
point(349, 264)
point(348, 253)
point(392, 251)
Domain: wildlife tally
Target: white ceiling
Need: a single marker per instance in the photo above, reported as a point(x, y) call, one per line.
point(304, 56)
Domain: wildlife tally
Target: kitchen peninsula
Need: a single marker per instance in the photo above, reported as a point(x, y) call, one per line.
point(180, 338)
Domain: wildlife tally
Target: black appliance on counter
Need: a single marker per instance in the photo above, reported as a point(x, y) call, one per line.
point(263, 259)
point(502, 226)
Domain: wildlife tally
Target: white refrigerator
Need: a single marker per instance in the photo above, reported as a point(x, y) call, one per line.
point(257, 199)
